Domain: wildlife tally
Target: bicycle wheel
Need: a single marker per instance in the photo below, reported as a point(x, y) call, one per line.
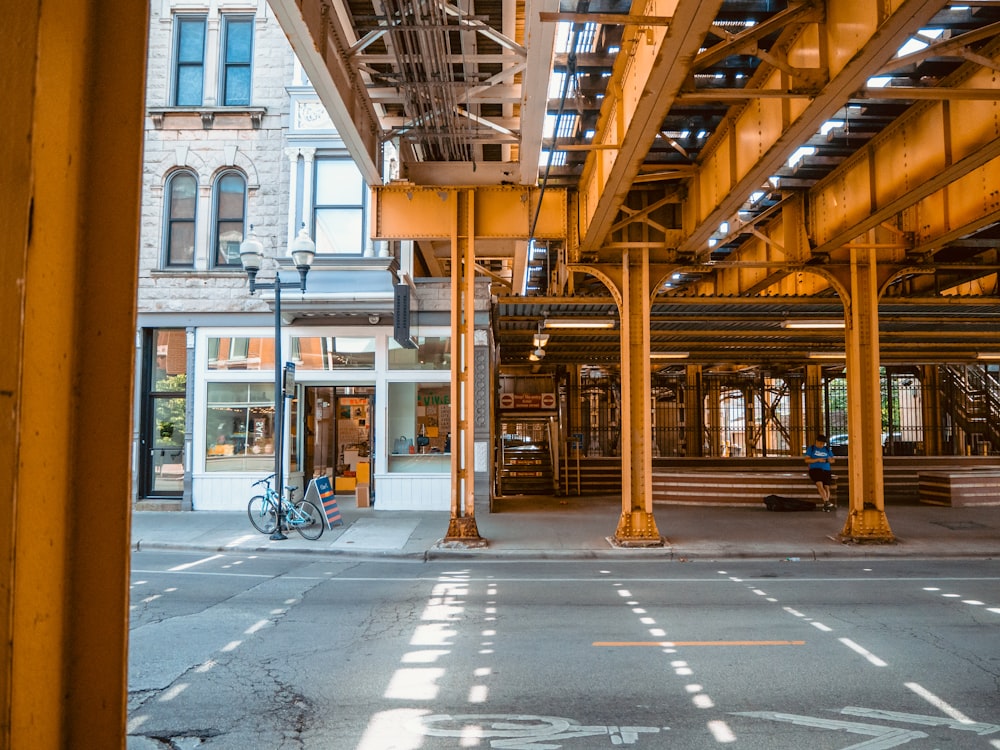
point(309, 522)
point(262, 515)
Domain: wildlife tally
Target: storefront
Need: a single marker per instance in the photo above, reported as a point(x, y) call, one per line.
point(372, 416)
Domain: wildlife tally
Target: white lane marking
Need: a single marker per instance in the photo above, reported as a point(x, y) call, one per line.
point(938, 703)
point(256, 626)
point(520, 730)
point(821, 626)
point(721, 731)
point(863, 651)
point(185, 566)
point(885, 737)
point(927, 721)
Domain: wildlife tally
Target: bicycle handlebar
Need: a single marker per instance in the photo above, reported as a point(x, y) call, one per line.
point(265, 480)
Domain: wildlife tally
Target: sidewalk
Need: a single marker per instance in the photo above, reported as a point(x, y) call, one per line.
point(537, 528)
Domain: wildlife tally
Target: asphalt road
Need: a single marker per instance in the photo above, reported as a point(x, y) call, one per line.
point(269, 651)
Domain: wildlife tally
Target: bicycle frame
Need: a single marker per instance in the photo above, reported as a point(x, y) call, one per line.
point(271, 514)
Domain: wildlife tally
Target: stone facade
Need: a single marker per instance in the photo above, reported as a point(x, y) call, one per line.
point(208, 140)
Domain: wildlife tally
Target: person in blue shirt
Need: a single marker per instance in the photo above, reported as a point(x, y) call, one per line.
point(818, 458)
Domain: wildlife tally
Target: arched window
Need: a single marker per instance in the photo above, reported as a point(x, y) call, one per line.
point(230, 215)
point(182, 198)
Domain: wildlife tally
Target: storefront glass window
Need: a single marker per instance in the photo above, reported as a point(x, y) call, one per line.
point(239, 353)
point(239, 427)
point(419, 439)
point(334, 352)
point(432, 353)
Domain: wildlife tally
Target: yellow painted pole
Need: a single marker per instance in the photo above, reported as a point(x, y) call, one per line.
point(637, 526)
point(462, 527)
point(866, 520)
point(70, 171)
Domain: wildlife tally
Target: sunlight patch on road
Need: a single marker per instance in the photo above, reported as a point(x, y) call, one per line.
point(416, 684)
point(383, 730)
point(174, 692)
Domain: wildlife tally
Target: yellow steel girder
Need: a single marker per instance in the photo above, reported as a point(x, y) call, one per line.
point(645, 79)
point(854, 38)
point(512, 212)
point(938, 165)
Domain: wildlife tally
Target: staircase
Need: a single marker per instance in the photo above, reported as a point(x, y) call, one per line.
point(525, 470)
point(971, 396)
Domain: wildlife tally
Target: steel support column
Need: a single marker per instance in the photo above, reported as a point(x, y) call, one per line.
point(693, 430)
point(814, 402)
point(932, 412)
point(72, 113)
point(636, 527)
point(713, 410)
point(796, 414)
point(462, 527)
point(866, 520)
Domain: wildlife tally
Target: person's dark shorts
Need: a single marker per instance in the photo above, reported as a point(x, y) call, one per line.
point(821, 475)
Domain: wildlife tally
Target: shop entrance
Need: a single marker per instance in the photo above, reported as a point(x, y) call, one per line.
point(337, 437)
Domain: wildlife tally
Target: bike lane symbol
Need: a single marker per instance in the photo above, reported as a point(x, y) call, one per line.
point(523, 731)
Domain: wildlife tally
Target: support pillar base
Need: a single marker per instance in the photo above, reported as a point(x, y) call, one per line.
point(867, 525)
point(463, 532)
point(637, 528)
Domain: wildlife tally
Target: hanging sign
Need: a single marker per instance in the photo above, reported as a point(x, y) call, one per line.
point(528, 401)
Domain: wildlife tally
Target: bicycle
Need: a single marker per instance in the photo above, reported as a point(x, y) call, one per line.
point(303, 516)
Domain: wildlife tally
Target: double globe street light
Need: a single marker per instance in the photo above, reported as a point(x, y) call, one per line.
point(303, 250)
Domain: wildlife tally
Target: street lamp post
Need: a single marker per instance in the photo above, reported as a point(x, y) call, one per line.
point(303, 250)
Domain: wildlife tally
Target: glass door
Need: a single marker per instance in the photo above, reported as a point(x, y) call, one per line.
point(164, 413)
point(338, 436)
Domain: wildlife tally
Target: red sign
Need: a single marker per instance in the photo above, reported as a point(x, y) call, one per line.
point(528, 401)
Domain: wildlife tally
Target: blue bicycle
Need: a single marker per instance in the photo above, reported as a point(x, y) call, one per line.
point(303, 516)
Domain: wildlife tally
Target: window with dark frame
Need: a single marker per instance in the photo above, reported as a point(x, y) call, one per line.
point(189, 61)
point(237, 56)
point(230, 216)
point(181, 201)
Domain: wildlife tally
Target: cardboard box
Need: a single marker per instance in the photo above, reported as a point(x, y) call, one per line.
point(363, 498)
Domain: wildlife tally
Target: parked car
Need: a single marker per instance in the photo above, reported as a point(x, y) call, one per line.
point(894, 446)
point(838, 444)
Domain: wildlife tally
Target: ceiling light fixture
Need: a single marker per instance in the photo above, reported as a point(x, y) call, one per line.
point(540, 340)
point(827, 355)
point(825, 323)
point(580, 322)
point(669, 355)
point(988, 355)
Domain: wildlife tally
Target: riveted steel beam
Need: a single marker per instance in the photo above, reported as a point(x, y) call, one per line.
point(323, 44)
point(644, 82)
point(939, 163)
point(500, 212)
point(855, 38)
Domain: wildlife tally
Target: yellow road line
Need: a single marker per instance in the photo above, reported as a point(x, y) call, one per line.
point(698, 643)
